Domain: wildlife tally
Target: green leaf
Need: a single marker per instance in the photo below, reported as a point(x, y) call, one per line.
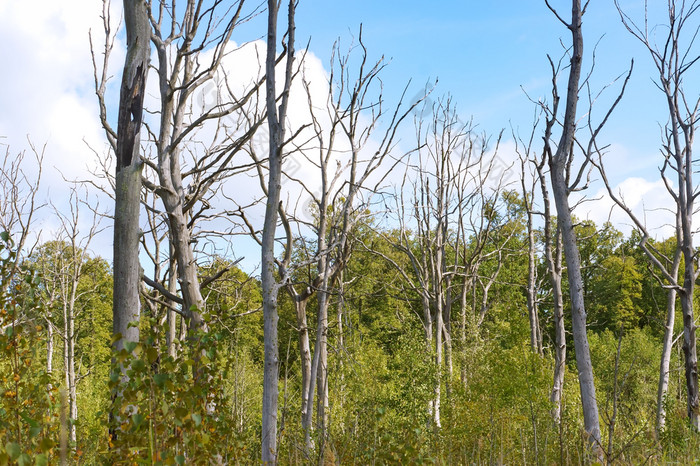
point(152, 354)
point(197, 418)
point(13, 449)
point(5, 236)
point(41, 460)
point(138, 419)
point(24, 459)
point(130, 346)
point(160, 379)
point(180, 412)
point(165, 407)
point(34, 431)
point(180, 459)
point(29, 420)
point(46, 444)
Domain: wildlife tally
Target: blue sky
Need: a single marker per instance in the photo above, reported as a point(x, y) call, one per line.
point(484, 54)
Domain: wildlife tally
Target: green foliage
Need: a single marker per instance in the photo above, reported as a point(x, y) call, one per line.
point(203, 405)
point(616, 294)
point(29, 405)
point(626, 397)
point(170, 410)
point(386, 405)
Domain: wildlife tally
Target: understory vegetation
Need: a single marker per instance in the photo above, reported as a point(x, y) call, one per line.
point(382, 377)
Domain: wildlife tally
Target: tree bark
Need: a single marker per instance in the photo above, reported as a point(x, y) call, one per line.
point(578, 312)
point(665, 366)
point(553, 258)
point(559, 163)
point(172, 315)
point(301, 300)
point(127, 274)
point(270, 287)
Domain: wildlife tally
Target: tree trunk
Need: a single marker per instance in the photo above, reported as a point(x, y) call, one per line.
point(463, 331)
point(322, 377)
point(438, 363)
point(553, 257)
point(172, 315)
point(535, 335)
point(558, 168)
point(127, 273)
point(72, 389)
point(270, 288)
point(300, 303)
point(689, 345)
point(686, 197)
point(578, 312)
point(66, 368)
point(664, 368)
point(49, 344)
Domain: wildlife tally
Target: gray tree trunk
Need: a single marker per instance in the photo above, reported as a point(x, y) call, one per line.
point(673, 59)
point(172, 316)
point(127, 274)
point(301, 300)
point(664, 369)
point(270, 288)
point(558, 171)
point(686, 197)
point(553, 258)
point(554, 264)
point(535, 332)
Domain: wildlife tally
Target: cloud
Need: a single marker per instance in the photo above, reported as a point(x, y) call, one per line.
point(47, 92)
point(648, 200)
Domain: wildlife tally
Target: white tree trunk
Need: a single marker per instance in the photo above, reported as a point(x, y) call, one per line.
point(664, 369)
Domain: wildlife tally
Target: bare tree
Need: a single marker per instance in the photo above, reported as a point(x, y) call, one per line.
point(553, 250)
point(350, 121)
point(127, 146)
point(335, 142)
point(552, 255)
point(19, 204)
point(528, 182)
point(62, 264)
point(450, 202)
point(276, 123)
point(673, 57)
point(565, 179)
point(200, 124)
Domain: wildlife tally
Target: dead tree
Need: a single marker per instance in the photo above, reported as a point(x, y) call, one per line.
point(528, 182)
point(126, 142)
point(276, 123)
point(62, 265)
point(674, 57)
point(19, 204)
point(199, 125)
point(334, 145)
point(565, 178)
point(353, 115)
point(553, 251)
point(448, 191)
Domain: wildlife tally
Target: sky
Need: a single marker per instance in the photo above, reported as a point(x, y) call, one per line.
point(491, 57)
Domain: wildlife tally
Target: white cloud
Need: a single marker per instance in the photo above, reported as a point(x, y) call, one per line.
point(648, 200)
point(47, 90)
